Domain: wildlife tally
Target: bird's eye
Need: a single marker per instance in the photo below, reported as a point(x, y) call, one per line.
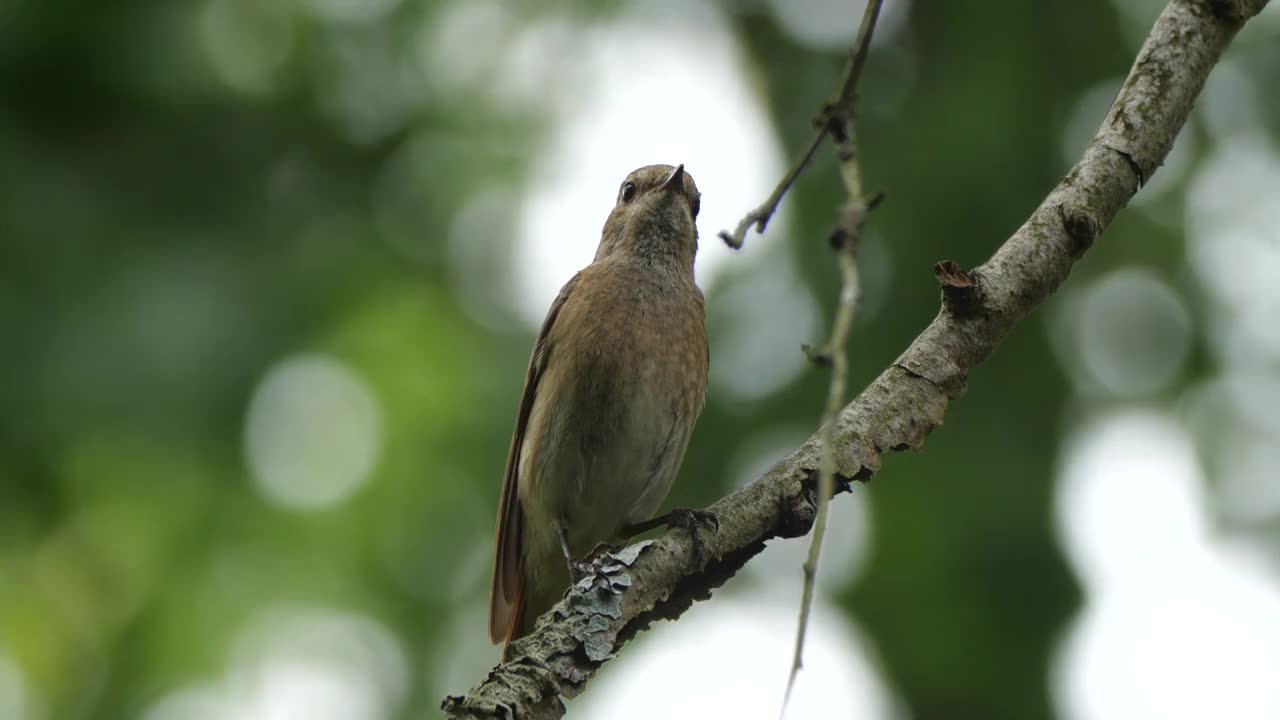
point(628, 191)
point(697, 205)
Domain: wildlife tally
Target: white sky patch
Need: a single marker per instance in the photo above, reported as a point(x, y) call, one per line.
point(657, 84)
point(732, 662)
point(1177, 623)
point(1128, 499)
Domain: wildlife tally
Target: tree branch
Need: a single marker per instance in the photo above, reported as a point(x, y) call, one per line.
point(655, 580)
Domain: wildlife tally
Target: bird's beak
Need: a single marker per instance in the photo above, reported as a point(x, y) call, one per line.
point(674, 181)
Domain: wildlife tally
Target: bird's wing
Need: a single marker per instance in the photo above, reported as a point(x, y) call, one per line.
point(505, 599)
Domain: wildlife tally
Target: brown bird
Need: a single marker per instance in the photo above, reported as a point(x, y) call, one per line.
point(615, 384)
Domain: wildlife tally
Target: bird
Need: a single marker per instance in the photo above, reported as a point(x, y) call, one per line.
point(615, 384)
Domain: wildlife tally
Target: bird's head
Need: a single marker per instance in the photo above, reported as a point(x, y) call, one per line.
point(654, 216)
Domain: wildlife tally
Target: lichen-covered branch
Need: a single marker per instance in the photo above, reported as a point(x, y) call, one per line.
point(899, 408)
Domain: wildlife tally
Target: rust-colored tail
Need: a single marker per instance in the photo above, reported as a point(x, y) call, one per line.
point(515, 628)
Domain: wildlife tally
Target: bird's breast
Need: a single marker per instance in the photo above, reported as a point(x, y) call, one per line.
point(624, 383)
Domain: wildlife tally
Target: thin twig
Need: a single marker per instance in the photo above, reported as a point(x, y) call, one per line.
point(836, 105)
point(827, 468)
point(846, 239)
point(838, 123)
point(761, 215)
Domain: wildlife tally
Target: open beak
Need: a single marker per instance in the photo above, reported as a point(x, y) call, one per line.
point(674, 181)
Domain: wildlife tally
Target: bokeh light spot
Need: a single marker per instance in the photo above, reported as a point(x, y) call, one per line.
point(1127, 334)
point(479, 250)
point(13, 691)
point(1247, 472)
point(1085, 119)
point(247, 42)
point(448, 52)
point(763, 317)
point(1230, 104)
point(318, 664)
point(1128, 499)
point(313, 432)
point(371, 86)
point(1234, 249)
point(1233, 417)
point(351, 10)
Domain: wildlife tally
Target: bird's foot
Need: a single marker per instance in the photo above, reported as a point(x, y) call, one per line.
point(585, 565)
point(686, 518)
point(691, 520)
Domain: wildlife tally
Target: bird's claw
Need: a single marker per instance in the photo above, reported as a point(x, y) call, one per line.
point(692, 520)
point(581, 568)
